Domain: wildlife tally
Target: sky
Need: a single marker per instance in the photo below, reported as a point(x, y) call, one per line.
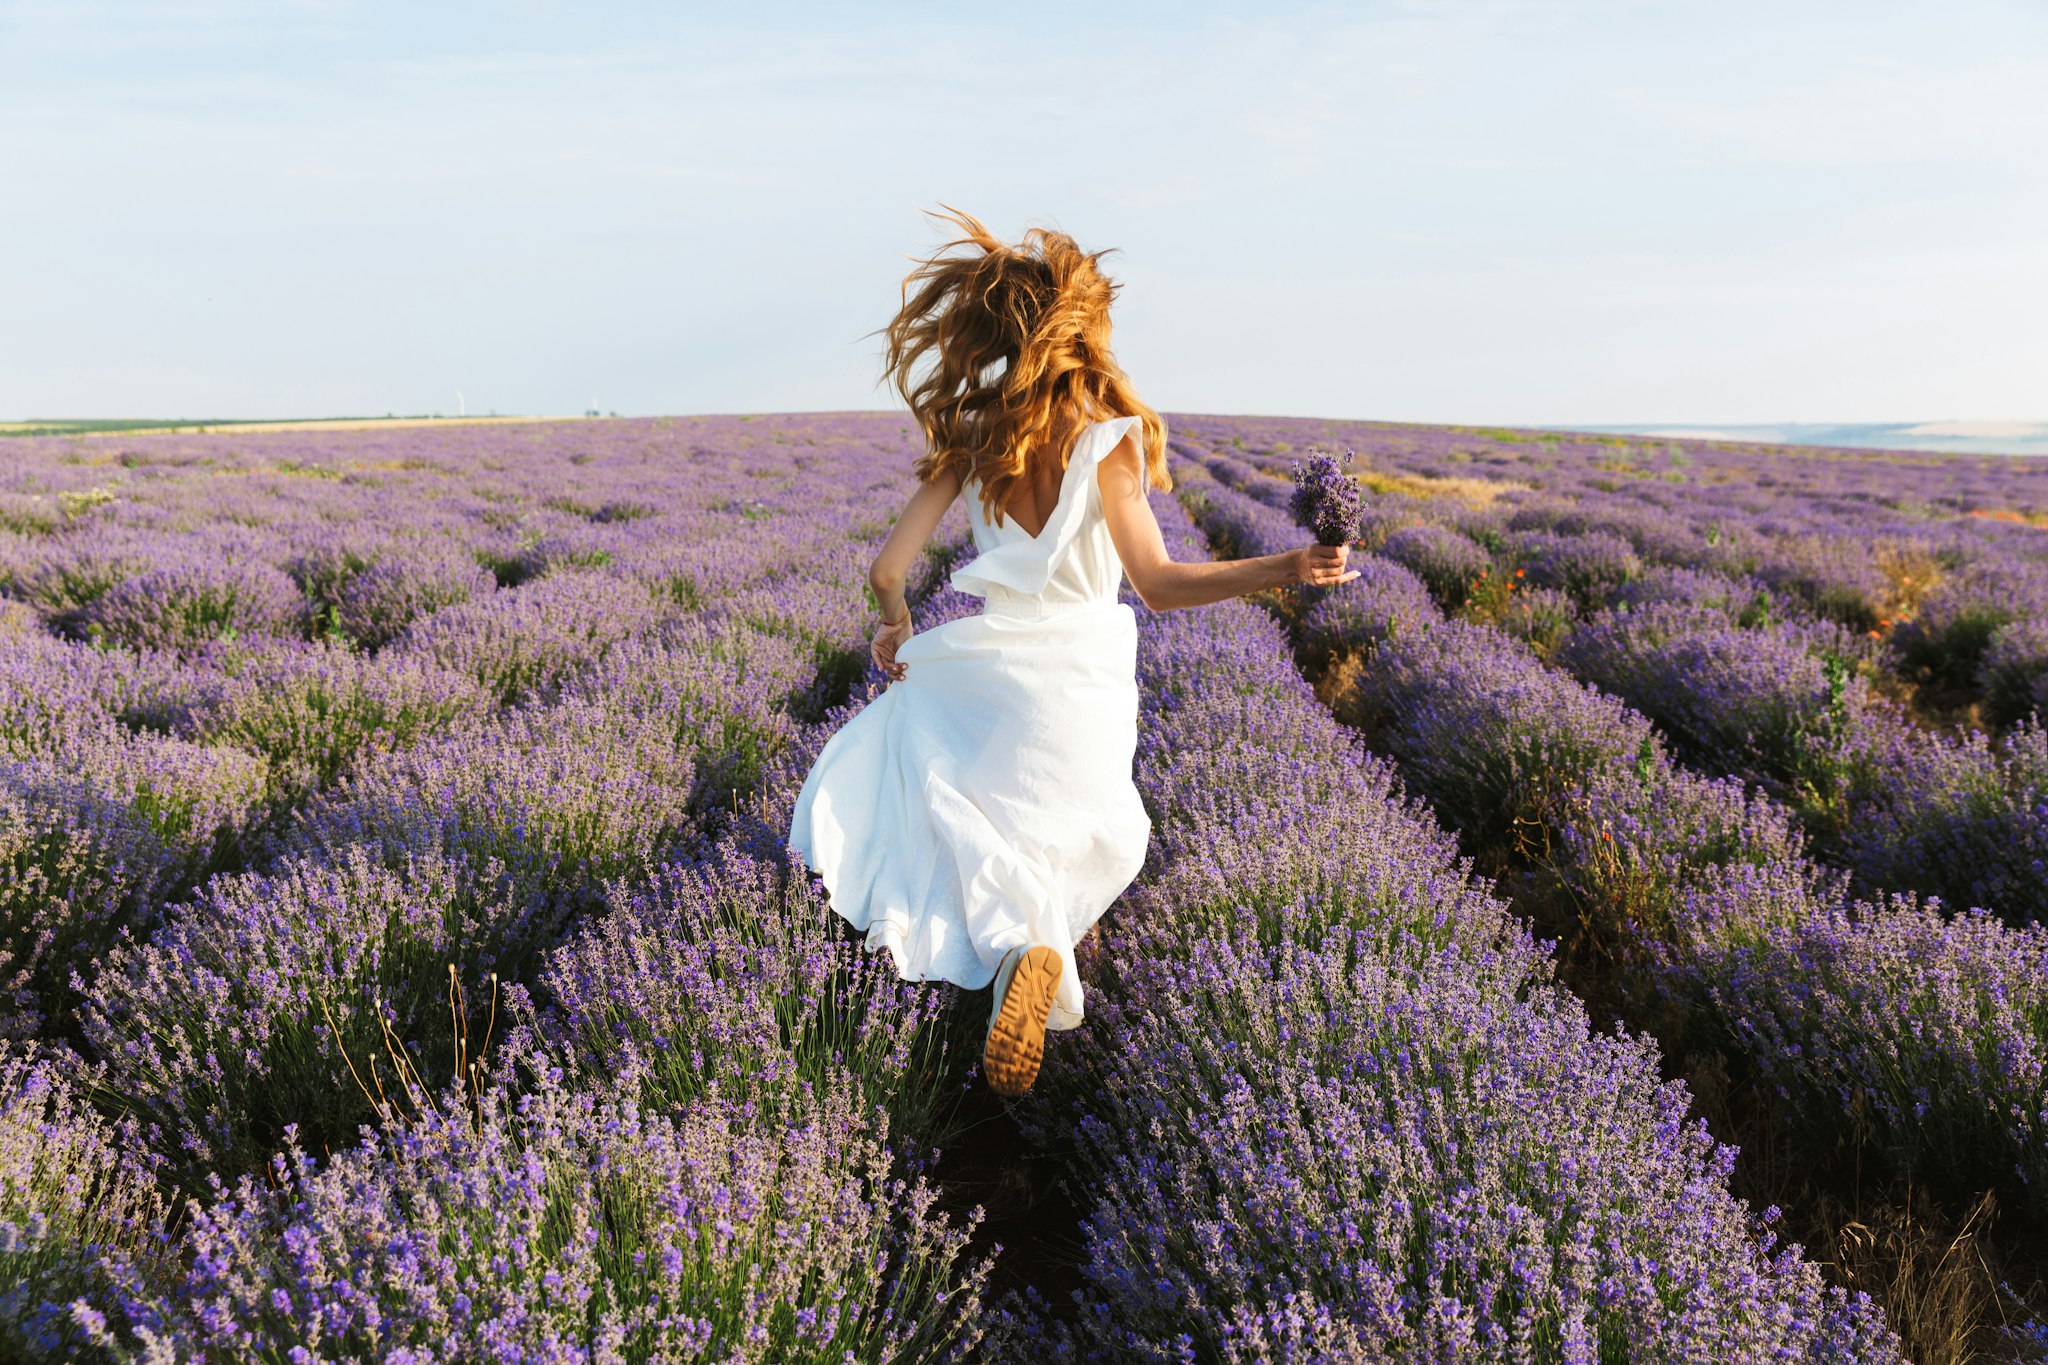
point(1548, 212)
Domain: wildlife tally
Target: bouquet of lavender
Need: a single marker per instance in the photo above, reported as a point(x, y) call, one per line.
point(1326, 499)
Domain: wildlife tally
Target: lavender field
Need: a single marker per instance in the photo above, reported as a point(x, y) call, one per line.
point(1610, 929)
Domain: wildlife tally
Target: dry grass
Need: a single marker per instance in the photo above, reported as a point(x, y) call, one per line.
point(1933, 1275)
point(1474, 492)
point(1336, 686)
point(1933, 1263)
point(17, 620)
point(1910, 572)
point(1461, 488)
point(2010, 514)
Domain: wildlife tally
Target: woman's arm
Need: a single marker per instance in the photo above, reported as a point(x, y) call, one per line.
point(1163, 584)
point(891, 568)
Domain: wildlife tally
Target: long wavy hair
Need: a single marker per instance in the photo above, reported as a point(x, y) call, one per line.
point(1019, 343)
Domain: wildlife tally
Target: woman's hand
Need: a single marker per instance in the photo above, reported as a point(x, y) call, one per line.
point(1322, 565)
point(887, 641)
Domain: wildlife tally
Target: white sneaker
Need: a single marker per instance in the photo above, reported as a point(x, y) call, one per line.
point(1005, 969)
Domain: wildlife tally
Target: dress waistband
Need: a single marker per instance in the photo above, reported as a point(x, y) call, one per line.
point(1004, 604)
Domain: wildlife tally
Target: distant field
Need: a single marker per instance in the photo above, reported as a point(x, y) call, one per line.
point(1960, 438)
point(1968, 438)
point(129, 426)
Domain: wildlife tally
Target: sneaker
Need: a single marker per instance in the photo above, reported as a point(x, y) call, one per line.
point(1004, 971)
point(1016, 1028)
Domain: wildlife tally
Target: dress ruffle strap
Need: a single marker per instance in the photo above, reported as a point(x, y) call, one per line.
point(1026, 563)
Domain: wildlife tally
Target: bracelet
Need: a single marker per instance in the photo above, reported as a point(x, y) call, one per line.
point(893, 624)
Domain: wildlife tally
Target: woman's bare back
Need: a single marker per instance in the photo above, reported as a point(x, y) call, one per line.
point(1034, 506)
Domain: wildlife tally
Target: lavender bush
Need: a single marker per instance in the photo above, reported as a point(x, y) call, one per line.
point(1831, 575)
point(520, 645)
point(1445, 560)
point(264, 1003)
point(96, 827)
point(323, 569)
point(1384, 601)
point(1949, 636)
point(550, 803)
point(189, 605)
point(2014, 673)
point(1590, 566)
point(310, 710)
point(568, 1225)
point(76, 1198)
point(57, 695)
point(203, 801)
point(376, 604)
point(1539, 617)
point(1629, 843)
point(1487, 732)
point(1732, 598)
point(1261, 484)
point(1244, 527)
point(732, 978)
point(1759, 703)
point(64, 579)
point(1963, 820)
point(77, 865)
point(1929, 1024)
point(729, 697)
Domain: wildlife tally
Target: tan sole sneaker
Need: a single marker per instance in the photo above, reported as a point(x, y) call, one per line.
point(1016, 1039)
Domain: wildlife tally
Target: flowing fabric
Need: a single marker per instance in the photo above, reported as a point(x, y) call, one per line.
point(984, 801)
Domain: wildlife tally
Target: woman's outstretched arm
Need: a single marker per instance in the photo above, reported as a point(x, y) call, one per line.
point(891, 569)
point(1163, 584)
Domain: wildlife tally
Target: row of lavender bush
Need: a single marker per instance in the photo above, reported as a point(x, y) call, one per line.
point(1784, 703)
point(1938, 560)
point(1929, 1022)
point(437, 783)
point(1330, 1104)
point(481, 1021)
point(1745, 679)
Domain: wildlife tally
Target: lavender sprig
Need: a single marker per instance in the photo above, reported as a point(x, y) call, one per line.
point(1326, 499)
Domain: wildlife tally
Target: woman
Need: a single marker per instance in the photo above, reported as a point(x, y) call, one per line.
point(979, 816)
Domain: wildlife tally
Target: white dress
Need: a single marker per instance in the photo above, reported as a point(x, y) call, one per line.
point(985, 801)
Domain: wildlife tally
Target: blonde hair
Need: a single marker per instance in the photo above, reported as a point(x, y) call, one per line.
point(1041, 311)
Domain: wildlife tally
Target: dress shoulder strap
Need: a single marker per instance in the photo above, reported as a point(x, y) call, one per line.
point(1026, 564)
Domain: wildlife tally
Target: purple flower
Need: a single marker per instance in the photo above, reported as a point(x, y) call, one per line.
point(1326, 499)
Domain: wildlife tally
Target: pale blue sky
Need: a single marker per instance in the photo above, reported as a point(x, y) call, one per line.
point(1538, 212)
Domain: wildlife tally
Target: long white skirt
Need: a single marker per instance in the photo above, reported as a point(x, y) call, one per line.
point(985, 801)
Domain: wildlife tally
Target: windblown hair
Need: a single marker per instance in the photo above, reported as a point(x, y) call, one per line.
point(1037, 315)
